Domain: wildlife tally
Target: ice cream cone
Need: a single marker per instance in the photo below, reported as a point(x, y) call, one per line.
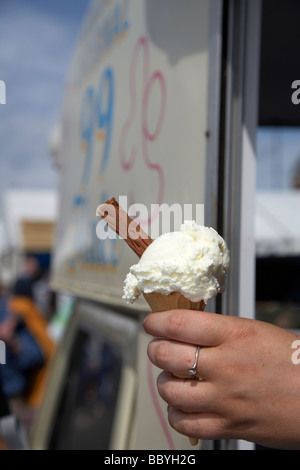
point(159, 303)
point(160, 259)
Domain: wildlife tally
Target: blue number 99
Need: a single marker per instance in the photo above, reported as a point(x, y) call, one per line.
point(104, 113)
point(86, 131)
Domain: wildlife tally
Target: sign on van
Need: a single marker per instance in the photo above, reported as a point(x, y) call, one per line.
point(134, 128)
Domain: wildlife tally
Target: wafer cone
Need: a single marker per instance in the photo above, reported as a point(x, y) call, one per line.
point(159, 303)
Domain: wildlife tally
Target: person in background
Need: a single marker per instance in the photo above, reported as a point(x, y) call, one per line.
point(38, 279)
point(29, 348)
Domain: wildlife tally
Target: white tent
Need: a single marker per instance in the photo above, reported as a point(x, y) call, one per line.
point(277, 223)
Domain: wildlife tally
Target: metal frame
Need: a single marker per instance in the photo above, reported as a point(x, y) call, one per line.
point(213, 111)
point(231, 157)
point(241, 109)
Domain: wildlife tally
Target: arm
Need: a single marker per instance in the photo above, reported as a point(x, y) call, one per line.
point(251, 386)
point(7, 328)
point(7, 331)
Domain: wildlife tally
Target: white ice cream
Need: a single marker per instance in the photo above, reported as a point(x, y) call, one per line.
point(193, 262)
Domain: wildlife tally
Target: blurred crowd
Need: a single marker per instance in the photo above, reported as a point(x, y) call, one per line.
point(25, 311)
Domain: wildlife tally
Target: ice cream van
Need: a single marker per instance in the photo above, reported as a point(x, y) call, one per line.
point(160, 107)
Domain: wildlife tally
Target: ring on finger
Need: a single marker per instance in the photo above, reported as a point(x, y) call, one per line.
point(193, 369)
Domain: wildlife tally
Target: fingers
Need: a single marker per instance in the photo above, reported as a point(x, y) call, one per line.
point(194, 408)
point(190, 396)
point(178, 358)
point(199, 425)
point(189, 326)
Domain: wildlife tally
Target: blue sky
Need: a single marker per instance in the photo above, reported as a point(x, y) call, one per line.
point(37, 39)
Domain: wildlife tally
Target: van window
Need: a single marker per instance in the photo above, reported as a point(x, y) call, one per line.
point(86, 411)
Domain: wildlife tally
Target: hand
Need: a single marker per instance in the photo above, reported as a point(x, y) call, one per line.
point(250, 388)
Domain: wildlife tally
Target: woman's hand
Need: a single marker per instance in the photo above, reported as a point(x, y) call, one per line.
point(250, 388)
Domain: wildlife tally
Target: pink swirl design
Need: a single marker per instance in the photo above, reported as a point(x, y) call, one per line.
point(127, 162)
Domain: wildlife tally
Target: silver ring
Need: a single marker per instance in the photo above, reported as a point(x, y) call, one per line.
point(192, 370)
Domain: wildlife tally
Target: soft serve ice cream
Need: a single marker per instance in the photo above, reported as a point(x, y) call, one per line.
point(192, 262)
